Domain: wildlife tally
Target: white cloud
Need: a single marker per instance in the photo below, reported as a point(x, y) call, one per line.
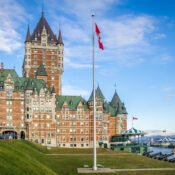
point(11, 16)
point(69, 63)
point(159, 36)
point(166, 58)
point(73, 90)
point(169, 93)
point(128, 31)
point(82, 8)
point(127, 38)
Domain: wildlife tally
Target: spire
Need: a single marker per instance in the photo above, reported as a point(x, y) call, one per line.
point(28, 35)
point(42, 12)
point(60, 40)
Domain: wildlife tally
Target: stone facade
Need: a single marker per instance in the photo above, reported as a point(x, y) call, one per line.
point(32, 107)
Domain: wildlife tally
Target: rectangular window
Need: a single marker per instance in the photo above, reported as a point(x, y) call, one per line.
point(35, 56)
point(44, 51)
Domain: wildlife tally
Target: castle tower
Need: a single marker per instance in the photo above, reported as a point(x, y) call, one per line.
point(42, 47)
point(121, 113)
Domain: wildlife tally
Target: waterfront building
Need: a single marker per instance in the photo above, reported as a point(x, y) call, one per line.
point(32, 107)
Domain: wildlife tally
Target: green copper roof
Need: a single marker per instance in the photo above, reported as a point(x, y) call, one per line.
point(119, 108)
point(98, 94)
point(41, 71)
point(133, 131)
point(33, 83)
point(21, 83)
point(115, 100)
point(124, 109)
point(5, 72)
point(108, 109)
point(72, 102)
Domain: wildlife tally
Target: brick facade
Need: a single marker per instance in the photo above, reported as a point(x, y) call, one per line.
point(32, 107)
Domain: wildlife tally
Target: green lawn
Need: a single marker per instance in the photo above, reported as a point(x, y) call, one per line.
point(25, 158)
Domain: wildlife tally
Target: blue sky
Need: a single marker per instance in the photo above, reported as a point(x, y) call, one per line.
point(139, 55)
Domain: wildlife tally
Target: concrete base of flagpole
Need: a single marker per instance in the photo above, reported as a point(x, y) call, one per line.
point(94, 168)
point(91, 170)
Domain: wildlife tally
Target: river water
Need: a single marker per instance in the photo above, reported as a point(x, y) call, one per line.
point(163, 150)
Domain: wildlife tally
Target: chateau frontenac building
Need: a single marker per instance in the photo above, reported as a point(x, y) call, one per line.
point(32, 107)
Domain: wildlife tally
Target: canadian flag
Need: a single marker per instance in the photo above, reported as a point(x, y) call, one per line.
point(135, 118)
point(97, 30)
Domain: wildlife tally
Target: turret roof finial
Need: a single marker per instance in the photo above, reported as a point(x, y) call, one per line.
point(115, 87)
point(42, 12)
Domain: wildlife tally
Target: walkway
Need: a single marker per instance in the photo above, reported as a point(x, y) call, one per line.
point(109, 170)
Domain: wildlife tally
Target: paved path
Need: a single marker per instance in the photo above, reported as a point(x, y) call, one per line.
point(109, 170)
point(146, 169)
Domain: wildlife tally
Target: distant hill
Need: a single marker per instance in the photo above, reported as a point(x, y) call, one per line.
point(159, 133)
point(154, 135)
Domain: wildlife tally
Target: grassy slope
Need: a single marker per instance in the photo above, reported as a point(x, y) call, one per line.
point(20, 158)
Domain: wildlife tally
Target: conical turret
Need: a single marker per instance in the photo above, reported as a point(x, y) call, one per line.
point(60, 40)
point(115, 100)
point(98, 94)
point(28, 37)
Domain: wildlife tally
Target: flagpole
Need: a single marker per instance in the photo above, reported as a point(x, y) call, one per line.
point(94, 101)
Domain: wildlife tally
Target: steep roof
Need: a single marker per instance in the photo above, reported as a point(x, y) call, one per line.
point(98, 94)
point(108, 109)
point(41, 71)
point(115, 100)
point(71, 101)
point(21, 82)
point(5, 72)
point(117, 104)
point(38, 30)
point(33, 83)
point(60, 40)
point(124, 109)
